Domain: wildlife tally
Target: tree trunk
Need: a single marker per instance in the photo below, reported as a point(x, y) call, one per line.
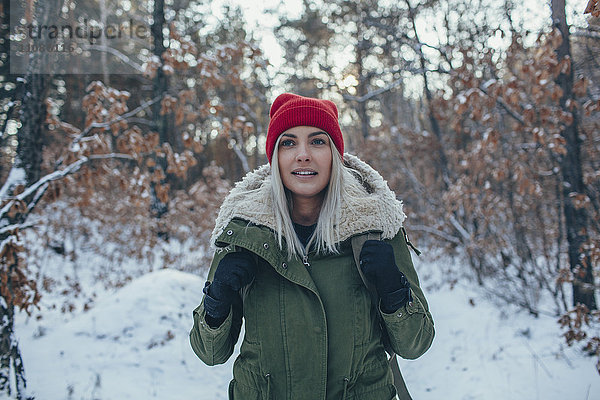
point(32, 92)
point(158, 208)
point(363, 77)
point(159, 86)
point(435, 126)
point(8, 103)
point(103, 42)
point(576, 219)
point(12, 371)
point(33, 116)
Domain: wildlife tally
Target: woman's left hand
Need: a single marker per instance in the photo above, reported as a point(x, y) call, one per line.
point(379, 266)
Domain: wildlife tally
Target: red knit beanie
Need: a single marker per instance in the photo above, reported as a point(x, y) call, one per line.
point(290, 110)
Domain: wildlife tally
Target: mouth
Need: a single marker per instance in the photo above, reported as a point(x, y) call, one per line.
point(304, 173)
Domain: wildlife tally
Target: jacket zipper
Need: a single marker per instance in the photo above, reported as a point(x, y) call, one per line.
point(305, 261)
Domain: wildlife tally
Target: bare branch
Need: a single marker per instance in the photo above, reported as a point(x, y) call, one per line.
point(38, 196)
point(437, 232)
point(12, 228)
point(59, 174)
point(463, 232)
point(74, 167)
point(586, 34)
point(244, 160)
point(392, 85)
point(505, 106)
point(144, 121)
point(116, 53)
point(374, 93)
point(121, 117)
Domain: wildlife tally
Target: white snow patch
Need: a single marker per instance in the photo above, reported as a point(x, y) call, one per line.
point(132, 345)
point(487, 352)
point(16, 176)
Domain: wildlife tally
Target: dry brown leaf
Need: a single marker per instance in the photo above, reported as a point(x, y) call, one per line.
point(593, 7)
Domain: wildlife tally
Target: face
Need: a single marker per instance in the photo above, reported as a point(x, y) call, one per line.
point(305, 159)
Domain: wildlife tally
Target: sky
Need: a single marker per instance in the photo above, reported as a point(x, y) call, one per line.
point(262, 23)
point(532, 15)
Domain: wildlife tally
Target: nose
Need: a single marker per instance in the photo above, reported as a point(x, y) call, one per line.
point(303, 154)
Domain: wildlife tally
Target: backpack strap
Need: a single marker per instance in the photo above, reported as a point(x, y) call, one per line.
point(357, 243)
point(401, 389)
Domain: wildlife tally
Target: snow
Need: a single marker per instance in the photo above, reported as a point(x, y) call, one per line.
point(16, 176)
point(486, 352)
point(133, 344)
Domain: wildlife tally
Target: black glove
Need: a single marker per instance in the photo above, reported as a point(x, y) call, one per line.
point(378, 264)
point(234, 271)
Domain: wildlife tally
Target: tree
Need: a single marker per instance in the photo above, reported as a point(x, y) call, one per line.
point(160, 85)
point(17, 290)
point(8, 98)
point(576, 217)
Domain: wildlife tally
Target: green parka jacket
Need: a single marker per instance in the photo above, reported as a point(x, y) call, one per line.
point(311, 331)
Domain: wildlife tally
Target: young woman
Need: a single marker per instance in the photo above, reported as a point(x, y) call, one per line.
point(284, 263)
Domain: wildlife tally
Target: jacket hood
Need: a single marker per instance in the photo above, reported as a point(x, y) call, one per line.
point(371, 206)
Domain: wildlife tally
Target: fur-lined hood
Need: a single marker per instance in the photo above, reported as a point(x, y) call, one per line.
point(372, 206)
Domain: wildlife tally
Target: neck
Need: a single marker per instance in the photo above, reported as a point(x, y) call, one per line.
point(305, 211)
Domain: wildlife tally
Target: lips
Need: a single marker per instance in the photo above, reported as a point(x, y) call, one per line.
point(304, 172)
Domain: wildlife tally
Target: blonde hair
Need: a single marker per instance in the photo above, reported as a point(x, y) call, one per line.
point(325, 236)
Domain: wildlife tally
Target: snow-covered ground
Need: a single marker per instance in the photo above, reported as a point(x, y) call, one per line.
point(133, 344)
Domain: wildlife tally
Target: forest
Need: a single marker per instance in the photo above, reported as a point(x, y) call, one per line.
point(131, 121)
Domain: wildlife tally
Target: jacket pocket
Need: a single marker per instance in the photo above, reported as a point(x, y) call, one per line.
point(363, 316)
point(374, 381)
point(387, 392)
point(248, 380)
point(250, 314)
point(262, 294)
point(239, 391)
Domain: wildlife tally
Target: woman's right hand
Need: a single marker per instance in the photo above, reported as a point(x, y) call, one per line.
point(234, 271)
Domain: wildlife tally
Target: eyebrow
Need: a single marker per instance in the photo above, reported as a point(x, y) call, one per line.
point(309, 135)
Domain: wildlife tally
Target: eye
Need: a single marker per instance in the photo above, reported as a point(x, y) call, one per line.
point(286, 143)
point(319, 141)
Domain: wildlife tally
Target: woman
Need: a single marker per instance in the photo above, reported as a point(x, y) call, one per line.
point(284, 262)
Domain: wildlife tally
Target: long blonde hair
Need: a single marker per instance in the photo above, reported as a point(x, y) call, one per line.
point(326, 236)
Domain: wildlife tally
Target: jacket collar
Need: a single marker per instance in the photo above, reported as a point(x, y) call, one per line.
point(372, 206)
